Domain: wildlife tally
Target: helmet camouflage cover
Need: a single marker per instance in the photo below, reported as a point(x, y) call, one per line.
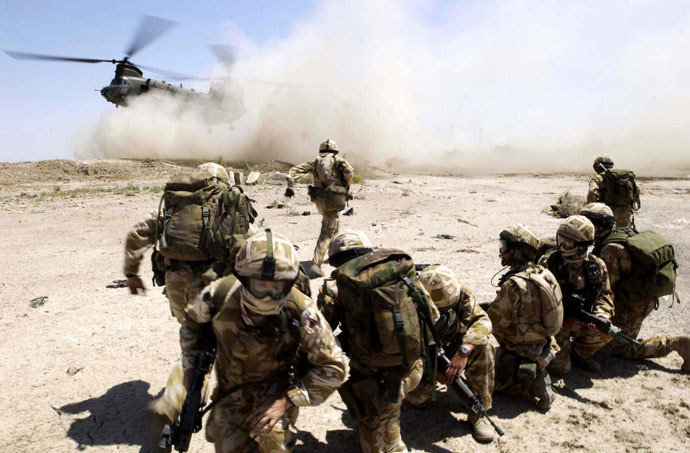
point(214, 169)
point(597, 212)
point(254, 257)
point(346, 240)
point(441, 284)
point(521, 234)
point(329, 146)
point(575, 229)
point(604, 160)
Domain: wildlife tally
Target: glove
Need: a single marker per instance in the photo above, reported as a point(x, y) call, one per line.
point(289, 192)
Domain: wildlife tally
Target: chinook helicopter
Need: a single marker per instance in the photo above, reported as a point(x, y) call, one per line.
point(223, 102)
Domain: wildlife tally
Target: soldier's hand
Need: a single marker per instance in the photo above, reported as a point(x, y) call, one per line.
point(572, 324)
point(457, 366)
point(289, 192)
point(135, 285)
point(270, 409)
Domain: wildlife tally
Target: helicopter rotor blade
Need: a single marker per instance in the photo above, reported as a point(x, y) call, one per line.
point(169, 74)
point(150, 28)
point(36, 56)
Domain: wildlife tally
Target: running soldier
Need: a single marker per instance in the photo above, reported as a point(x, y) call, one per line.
point(330, 192)
point(615, 188)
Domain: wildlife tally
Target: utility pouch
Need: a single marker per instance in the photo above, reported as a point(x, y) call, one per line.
point(158, 268)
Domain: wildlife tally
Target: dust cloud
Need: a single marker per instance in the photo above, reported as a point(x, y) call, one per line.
point(472, 86)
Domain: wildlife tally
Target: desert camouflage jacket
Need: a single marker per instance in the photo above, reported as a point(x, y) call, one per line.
point(246, 354)
point(465, 322)
point(139, 239)
point(307, 168)
point(594, 191)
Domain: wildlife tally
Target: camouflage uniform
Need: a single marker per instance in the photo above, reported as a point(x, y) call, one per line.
point(183, 281)
point(517, 317)
point(249, 355)
point(630, 315)
point(585, 342)
point(623, 214)
point(472, 326)
point(340, 174)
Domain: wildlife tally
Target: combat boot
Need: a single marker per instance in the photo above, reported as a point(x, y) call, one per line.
point(542, 391)
point(482, 431)
point(158, 414)
point(586, 363)
point(682, 346)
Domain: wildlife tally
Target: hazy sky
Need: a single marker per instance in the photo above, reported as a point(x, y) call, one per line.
point(509, 84)
point(42, 104)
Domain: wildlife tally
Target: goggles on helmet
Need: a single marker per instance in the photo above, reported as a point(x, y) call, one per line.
point(276, 289)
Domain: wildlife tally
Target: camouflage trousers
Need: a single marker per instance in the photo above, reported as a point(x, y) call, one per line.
point(329, 226)
point(380, 431)
point(629, 318)
point(224, 427)
point(623, 216)
point(584, 342)
point(479, 373)
point(517, 372)
point(182, 285)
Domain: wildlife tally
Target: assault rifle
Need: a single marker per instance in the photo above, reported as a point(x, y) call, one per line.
point(179, 435)
point(460, 386)
point(575, 308)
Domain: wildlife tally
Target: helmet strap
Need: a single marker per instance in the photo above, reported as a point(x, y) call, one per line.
point(268, 267)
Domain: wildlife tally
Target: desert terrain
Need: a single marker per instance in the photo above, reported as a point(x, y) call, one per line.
point(78, 370)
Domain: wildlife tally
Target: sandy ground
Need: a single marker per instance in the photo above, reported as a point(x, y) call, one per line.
point(122, 346)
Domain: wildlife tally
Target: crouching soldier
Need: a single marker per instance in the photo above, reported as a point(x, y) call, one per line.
point(636, 287)
point(463, 330)
point(526, 313)
point(584, 283)
point(275, 351)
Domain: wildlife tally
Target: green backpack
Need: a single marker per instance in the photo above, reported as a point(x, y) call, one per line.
point(654, 265)
point(620, 189)
point(385, 311)
point(200, 216)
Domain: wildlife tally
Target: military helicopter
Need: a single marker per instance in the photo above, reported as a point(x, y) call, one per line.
point(223, 102)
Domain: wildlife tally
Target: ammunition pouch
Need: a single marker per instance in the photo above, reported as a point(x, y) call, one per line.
point(369, 395)
point(527, 371)
point(334, 197)
point(158, 267)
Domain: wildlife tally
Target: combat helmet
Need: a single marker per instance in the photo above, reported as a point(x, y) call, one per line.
point(601, 217)
point(574, 236)
point(214, 169)
point(346, 245)
point(329, 146)
point(522, 243)
point(441, 284)
point(602, 161)
point(267, 256)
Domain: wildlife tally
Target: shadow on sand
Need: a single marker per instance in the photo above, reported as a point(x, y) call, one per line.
point(116, 417)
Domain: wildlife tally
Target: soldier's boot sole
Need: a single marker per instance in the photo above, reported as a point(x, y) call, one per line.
point(482, 431)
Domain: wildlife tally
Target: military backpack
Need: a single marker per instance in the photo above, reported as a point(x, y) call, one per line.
point(654, 265)
point(548, 313)
point(332, 189)
point(386, 312)
point(619, 188)
point(199, 216)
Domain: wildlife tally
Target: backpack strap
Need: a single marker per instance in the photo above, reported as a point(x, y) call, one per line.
point(428, 355)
